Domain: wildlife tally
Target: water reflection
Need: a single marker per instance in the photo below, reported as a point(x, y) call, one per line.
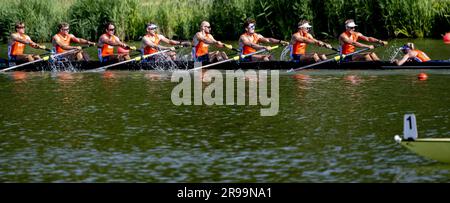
point(19, 76)
point(333, 126)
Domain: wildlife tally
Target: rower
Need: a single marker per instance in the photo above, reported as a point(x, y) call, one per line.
point(151, 43)
point(106, 45)
point(61, 43)
point(248, 43)
point(412, 54)
point(201, 42)
point(349, 39)
point(16, 45)
point(300, 41)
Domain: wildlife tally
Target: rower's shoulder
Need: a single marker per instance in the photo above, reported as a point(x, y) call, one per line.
point(14, 35)
point(198, 33)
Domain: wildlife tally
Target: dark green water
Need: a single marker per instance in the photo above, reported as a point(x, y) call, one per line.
point(333, 126)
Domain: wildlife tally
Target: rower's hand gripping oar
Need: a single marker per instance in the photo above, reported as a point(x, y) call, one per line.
point(336, 58)
point(229, 46)
point(234, 58)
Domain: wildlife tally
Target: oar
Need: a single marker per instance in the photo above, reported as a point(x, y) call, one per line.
point(336, 58)
point(45, 48)
point(229, 46)
point(46, 58)
point(336, 51)
point(233, 59)
point(127, 61)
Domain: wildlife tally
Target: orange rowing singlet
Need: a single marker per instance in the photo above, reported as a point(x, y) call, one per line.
point(64, 40)
point(17, 48)
point(201, 48)
point(247, 49)
point(151, 50)
point(348, 48)
point(300, 47)
point(106, 49)
point(421, 56)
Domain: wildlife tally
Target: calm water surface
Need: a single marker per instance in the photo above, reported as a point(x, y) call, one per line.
point(333, 126)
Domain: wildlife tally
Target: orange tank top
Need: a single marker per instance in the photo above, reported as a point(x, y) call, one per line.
point(64, 40)
point(17, 48)
point(247, 49)
point(300, 47)
point(149, 49)
point(106, 49)
point(348, 48)
point(421, 56)
point(201, 48)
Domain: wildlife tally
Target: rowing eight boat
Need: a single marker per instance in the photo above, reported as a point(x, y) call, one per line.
point(231, 65)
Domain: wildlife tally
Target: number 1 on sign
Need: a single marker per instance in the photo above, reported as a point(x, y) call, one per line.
point(409, 127)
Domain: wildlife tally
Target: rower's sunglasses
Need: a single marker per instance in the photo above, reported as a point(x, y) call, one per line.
point(111, 29)
point(251, 27)
point(207, 26)
point(20, 27)
point(65, 29)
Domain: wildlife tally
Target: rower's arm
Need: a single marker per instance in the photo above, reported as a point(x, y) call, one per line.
point(158, 47)
point(372, 39)
point(206, 40)
point(169, 41)
point(247, 42)
point(403, 60)
point(304, 39)
point(354, 43)
point(117, 42)
point(273, 40)
point(16, 37)
point(173, 42)
point(60, 44)
point(82, 41)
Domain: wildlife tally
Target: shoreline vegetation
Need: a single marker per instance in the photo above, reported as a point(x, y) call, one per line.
point(180, 19)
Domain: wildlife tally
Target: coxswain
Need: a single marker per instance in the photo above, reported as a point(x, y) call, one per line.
point(412, 54)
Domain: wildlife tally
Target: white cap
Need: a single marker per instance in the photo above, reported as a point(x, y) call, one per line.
point(351, 24)
point(305, 25)
point(152, 26)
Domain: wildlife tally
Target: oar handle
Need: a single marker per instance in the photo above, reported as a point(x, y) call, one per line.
point(229, 46)
point(260, 51)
